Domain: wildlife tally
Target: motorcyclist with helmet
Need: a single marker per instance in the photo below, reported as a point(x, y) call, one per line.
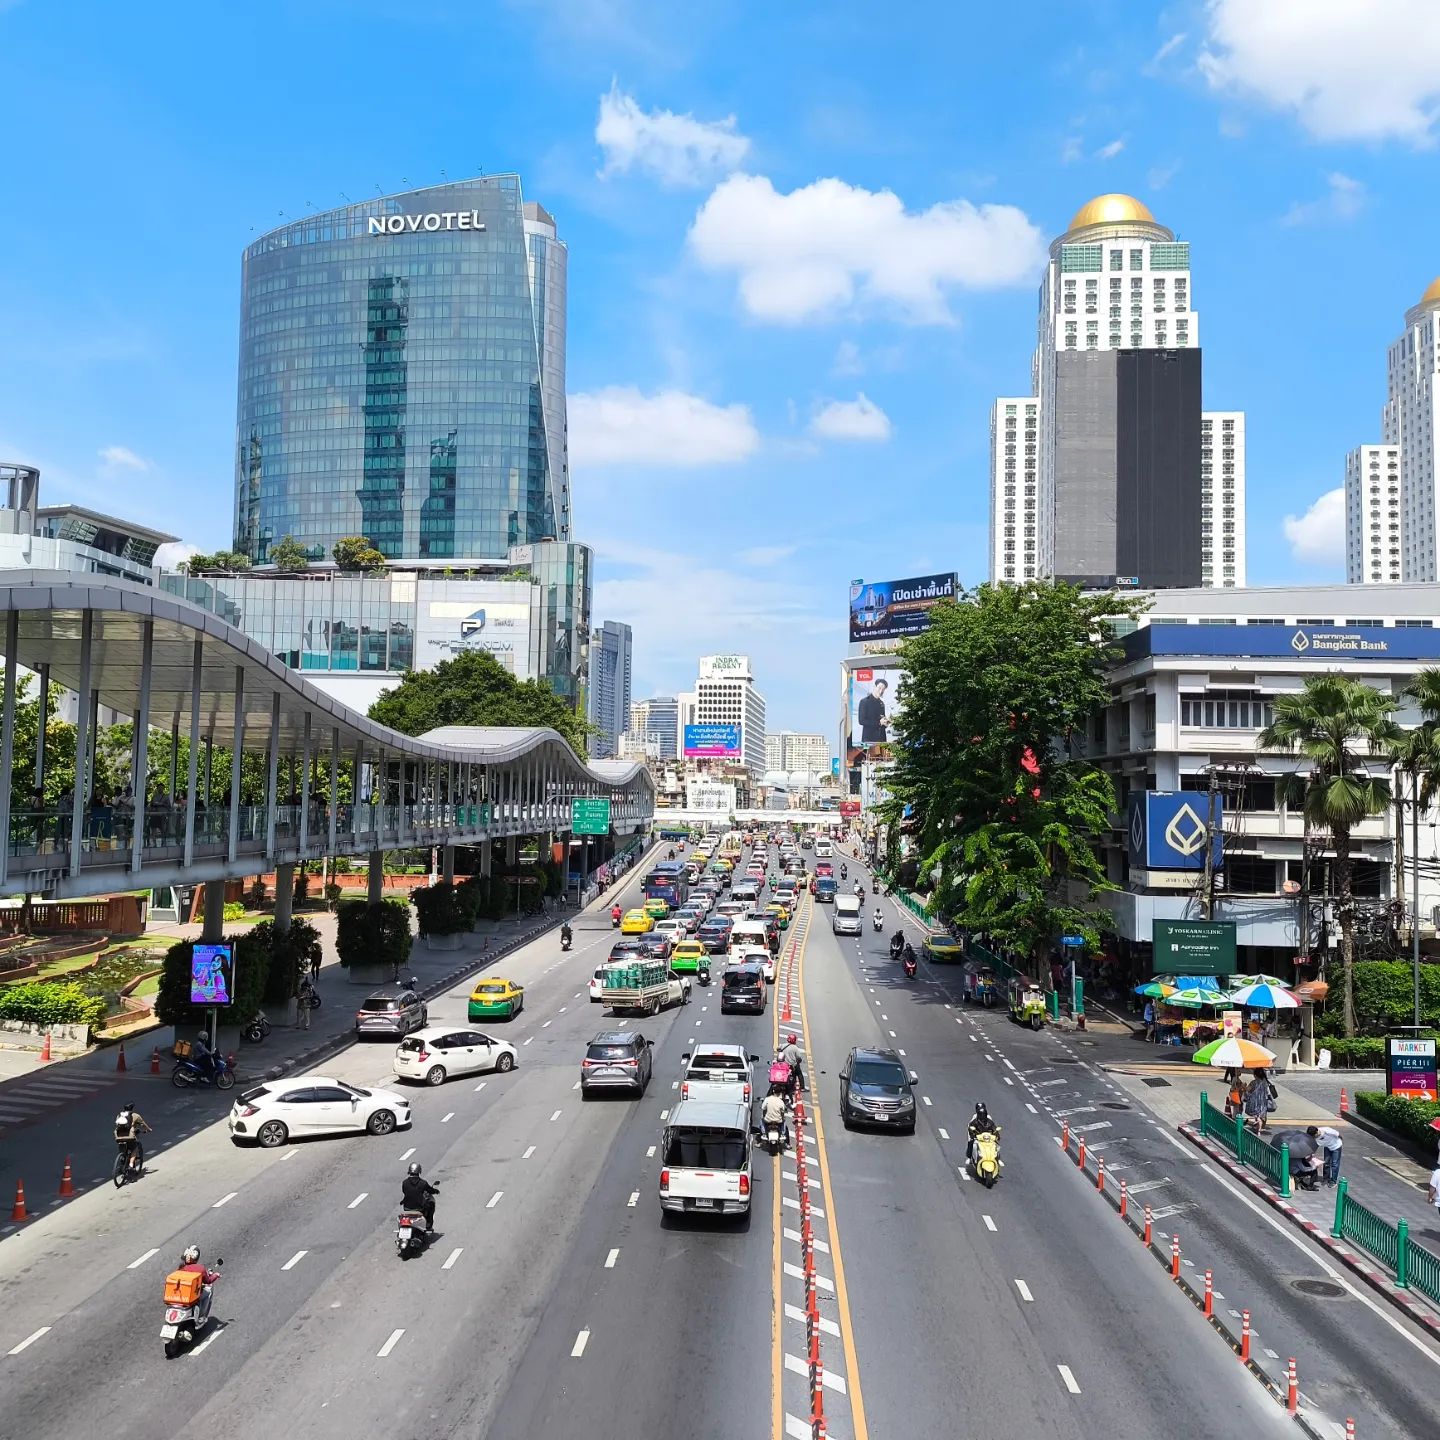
point(190, 1261)
point(129, 1126)
point(790, 1054)
point(980, 1124)
point(419, 1194)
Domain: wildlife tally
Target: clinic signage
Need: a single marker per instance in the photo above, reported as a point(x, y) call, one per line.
point(1193, 947)
point(1166, 829)
point(1410, 1068)
point(435, 220)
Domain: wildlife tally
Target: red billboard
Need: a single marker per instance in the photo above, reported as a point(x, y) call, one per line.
point(849, 808)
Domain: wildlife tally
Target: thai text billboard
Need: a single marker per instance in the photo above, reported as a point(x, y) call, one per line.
point(711, 742)
point(885, 609)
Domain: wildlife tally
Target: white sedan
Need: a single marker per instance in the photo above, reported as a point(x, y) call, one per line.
point(435, 1054)
point(753, 955)
point(306, 1105)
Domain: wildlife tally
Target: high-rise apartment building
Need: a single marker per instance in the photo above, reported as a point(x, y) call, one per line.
point(1410, 429)
point(1373, 529)
point(725, 694)
point(790, 751)
point(684, 711)
point(609, 690)
point(1014, 508)
point(1117, 446)
point(402, 376)
point(657, 716)
point(1222, 498)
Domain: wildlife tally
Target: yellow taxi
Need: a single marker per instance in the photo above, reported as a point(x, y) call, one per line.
point(636, 922)
point(493, 998)
point(722, 863)
point(656, 908)
point(781, 912)
point(688, 956)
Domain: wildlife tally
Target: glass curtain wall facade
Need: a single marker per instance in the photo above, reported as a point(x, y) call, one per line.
point(402, 376)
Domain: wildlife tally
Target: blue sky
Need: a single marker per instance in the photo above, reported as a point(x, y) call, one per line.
point(805, 242)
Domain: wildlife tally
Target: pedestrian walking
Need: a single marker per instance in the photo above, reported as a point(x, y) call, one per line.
point(1259, 1102)
point(1234, 1094)
point(1434, 1195)
point(1331, 1142)
point(1149, 1019)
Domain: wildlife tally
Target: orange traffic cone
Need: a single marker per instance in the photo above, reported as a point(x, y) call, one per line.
point(120, 1063)
point(45, 1050)
point(67, 1185)
point(1344, 1102)
point(155, 1061)
point(18, 1213)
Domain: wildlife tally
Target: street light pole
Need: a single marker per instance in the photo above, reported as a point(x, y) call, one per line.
point(1415, 892)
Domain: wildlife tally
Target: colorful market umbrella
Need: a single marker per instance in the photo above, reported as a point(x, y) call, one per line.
point(1265, 997)
point(1198, 995)
point(1238, 980)
point(1234, 1053)
point(1155, 989)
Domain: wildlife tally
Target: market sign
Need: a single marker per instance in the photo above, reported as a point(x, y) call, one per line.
point(589, 816)
point(1193, 947)
point(1410, 1069)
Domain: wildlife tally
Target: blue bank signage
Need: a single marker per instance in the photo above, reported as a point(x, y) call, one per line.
point(1167, 829)
point(1319, 644)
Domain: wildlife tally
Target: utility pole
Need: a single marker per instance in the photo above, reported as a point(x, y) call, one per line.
point(1208, 899)
point(1415, 892)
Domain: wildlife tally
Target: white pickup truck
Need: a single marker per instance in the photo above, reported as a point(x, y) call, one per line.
point(717, 1072)
point(616, 993)
point(705, 1158)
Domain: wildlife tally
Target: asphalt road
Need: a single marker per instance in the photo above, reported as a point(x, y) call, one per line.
point(556, 1303)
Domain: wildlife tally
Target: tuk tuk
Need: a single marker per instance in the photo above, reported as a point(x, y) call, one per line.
point(1027, 1004)
point(979, 986)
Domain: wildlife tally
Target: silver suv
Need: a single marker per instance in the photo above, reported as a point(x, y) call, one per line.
point(616, 1060)
point(395, 1010)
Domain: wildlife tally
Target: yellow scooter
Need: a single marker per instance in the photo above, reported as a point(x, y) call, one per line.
point(985, 1157)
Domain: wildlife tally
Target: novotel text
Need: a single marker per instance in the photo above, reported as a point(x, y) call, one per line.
point(436, 220)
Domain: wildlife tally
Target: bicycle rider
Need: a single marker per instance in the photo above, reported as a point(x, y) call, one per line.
point(130, 1124)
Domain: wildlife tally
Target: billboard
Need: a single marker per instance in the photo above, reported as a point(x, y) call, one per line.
point(725, 667)
point(1166, 830)
point(212, 974)
point(871, 704)
point(710, 795)
point(1193, 947)
point(711, 742)
point(886, 609)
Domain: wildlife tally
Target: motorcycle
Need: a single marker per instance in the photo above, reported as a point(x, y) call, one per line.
point(564, 942)
point(412, 1234)
point(308, 995)
point(985, 1157)
point(702, 974)
point(911, 966)
point(186, 1313)
point(774, 1138)
point(189, 1072)
point(257, 1029)
point(615, 918)
point(878, 921)
point(897, 946)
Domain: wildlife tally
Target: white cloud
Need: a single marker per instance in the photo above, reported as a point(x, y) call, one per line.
point(760, 555)
point(676, 149)
point(172, 555)
point(1159, 176)
point(1072, 149)
point(1318, 536)
point(116, 458)
point(847, 359)
point(829, 247)
point(857, 419)
point(1347, 70)
point(621, 425)
point(1344, 200)
point(1168, 48)
point(1110, 151)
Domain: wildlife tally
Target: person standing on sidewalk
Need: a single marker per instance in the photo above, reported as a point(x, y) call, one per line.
point(1434, 1195)
point(1331, 1142)
point(1149, 1018)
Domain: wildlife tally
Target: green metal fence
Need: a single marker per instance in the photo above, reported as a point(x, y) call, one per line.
point(1003, 968)
point(1217, 1125)
point(1422, 1268)
point(1250, 1149)
point(1412, 1264)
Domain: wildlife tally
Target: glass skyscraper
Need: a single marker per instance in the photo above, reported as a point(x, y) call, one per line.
point(402, 376)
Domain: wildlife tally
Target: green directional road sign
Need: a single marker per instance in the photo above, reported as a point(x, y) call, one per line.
point(589, 817)
point(1194, 947)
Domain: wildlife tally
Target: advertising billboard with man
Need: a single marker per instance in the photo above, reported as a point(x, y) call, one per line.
point(872, 703)
point(889, 609)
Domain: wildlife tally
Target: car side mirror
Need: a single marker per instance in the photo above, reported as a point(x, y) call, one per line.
point(913, 1077)
point(844, 1074)
point(685, 1058)
point(649, 1044)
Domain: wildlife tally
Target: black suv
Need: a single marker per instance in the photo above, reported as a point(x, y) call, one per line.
point(616, 1060)
point(742, 987)
point(875, 1090)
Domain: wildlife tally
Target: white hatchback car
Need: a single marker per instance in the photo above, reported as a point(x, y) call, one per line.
point(752, 955)
point(435, 1054)
point(305, 1105)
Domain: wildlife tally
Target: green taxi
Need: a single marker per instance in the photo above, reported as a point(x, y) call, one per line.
point(944, 950)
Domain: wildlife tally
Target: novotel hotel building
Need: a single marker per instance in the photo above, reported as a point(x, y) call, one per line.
point(402, 377)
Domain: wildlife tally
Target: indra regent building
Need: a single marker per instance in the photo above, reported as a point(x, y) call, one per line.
point(402, 376)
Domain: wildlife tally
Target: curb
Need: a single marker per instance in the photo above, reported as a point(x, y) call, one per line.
point(1381, 1283)
point(1222, 1324)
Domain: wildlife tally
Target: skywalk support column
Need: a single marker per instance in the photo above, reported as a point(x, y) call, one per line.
point(447, 864)
point(197, 668)
point(284, 896)
point(7, 737)
point(235, 757)
point(375, 891)
point(43, 712)
point(213, 928)
point(82, 738)
point(140, 763)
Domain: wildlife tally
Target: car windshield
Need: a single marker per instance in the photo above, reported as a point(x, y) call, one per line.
point(718, 1062)
point(381, 1002)
point(704, 1147)
point(491, 989)
point(411, 1043)
point(249, 1097)
point(742, 979)
point(878, 1072)
point(608, 1052)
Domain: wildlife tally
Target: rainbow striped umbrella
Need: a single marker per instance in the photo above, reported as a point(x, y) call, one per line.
point(1234, 1053)
point(1197, 996)
point(1155, 989)
point(1265, 997)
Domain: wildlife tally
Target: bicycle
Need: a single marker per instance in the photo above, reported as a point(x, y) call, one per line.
point(129, 1162)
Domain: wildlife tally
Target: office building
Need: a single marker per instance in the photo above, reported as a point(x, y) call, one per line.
point(1118, 433)
point(684, 711)
point(659, 717)
point(1222, 499)
point(1410, 430)
point(1373, 530)
point(609, 686)
point(402, 377)
point(725, 694)
point(791, 752)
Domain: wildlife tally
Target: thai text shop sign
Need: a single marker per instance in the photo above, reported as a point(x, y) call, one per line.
point(711, 742)
point(1193, 947)
point(1167, 829)
point(1410, 1069)
point(884, 609)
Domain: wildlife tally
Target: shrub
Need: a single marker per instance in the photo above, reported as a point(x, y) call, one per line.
point(440, 909)
point(332, 894)
point(38, 1002)
point(1385, 994)
point(302, 885)
point(290, 956)
point(256, 894)
point(234, 910)
point(252, 971)
point(367, 934)
point(1357, 1052)
point(1410, 1118)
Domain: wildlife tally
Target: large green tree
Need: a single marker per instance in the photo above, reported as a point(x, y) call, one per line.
point(1006, 814)
point(1339, 725)
point(475, 689)
point(355, 553)
point(289, 554)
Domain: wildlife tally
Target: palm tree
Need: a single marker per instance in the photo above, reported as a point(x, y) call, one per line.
point(1336, 723)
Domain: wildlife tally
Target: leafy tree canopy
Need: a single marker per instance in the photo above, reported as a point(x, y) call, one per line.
point(289, 554)
point(224, 560)
point(1007, 817)
point(356, 553)
point(475, 689)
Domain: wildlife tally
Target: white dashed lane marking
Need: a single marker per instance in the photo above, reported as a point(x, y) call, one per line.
point(136, 1264)
point(389, 1345)
point(1069, 1379)
point(295, 1259)
point(581, 1341)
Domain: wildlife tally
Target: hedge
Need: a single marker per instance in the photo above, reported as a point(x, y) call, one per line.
point(252, 971)
point(1385, 993)
point(1358, 1052)
point(367, 934)
point(291, 956)
point(443, 909)
point(41, 1002)
point(1410, 1118)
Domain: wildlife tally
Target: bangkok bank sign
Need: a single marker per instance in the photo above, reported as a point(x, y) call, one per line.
point(436, 220)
